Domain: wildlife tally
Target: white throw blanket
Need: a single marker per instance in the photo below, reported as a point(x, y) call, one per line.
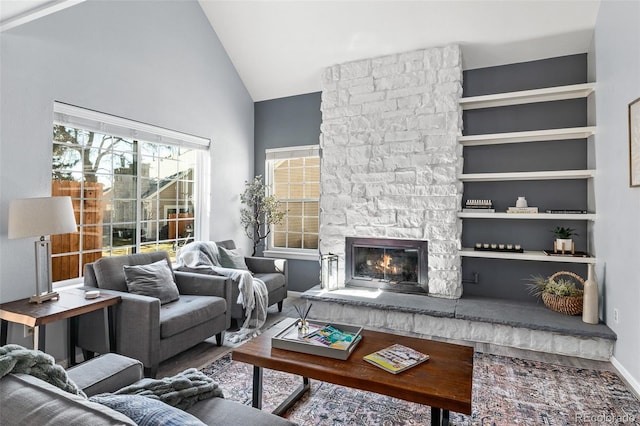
point(253, 292)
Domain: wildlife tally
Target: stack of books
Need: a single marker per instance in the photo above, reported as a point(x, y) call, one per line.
point(522, 210)
point(477, 206)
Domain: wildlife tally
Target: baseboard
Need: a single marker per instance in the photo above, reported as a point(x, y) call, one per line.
point(294, 293)
point(627, 377)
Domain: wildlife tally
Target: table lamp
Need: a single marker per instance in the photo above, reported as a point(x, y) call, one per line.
point(39, 217)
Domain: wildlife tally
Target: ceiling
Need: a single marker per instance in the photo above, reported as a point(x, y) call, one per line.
point(281, 47)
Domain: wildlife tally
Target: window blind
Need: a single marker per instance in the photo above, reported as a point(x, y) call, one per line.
point(82, 118)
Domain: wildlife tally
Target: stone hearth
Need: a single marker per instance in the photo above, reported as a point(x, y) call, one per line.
point(527, 326)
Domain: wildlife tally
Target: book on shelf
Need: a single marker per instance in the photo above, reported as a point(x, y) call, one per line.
point(478, 210)
point(396, 358)
point(522, 210)
point(566, 211)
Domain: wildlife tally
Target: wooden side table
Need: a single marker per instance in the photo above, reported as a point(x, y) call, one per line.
point(69, 305)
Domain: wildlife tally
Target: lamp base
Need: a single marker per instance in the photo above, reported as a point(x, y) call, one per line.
point(39, 298)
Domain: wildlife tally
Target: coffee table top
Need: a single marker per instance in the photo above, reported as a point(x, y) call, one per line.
point(444, 381)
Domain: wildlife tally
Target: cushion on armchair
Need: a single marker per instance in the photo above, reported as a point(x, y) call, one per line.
point(154, 280)
point(231, 258)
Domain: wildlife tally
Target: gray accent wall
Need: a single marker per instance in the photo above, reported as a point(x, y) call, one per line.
point(287, 122)
point(507, 278)
point(617, 231)
point(156, 62)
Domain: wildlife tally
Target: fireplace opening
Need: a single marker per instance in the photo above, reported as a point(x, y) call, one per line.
point(387, 264)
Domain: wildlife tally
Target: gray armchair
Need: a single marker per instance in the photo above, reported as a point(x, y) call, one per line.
point(147, 330)
point(274, 273)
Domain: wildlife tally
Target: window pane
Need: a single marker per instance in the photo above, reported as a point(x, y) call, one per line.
point(294, 208)
point(92, 237)
point(311, 224)
point(311, 208)
point(310, 241)
point(294, 240)
point(280, 239)
point(296, 190)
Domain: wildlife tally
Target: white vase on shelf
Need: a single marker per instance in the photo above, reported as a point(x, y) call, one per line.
point(522, 202)
point(590, 297)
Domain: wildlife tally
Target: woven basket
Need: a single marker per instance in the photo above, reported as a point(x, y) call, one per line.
point(569, 305)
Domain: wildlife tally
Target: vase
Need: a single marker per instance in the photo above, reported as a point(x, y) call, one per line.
point(521, 202)
point(590, 301)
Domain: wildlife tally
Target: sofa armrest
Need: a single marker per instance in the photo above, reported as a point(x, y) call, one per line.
point(137, 328)
point(202, 284)
point(106, 373)
point(266, 265)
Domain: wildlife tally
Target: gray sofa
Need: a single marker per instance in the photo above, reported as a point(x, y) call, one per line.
point(26, 400)
point(146, 329)
point(274, 273)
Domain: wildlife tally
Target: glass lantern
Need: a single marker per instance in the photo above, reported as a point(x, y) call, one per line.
point(329, 271)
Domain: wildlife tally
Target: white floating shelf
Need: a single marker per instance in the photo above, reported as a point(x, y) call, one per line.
point(538, 256)
point(528, 96)
point(529, 136)
point(540, 216)
point(512, 176)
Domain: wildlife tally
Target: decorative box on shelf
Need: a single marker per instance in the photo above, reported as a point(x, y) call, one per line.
point(330, 340)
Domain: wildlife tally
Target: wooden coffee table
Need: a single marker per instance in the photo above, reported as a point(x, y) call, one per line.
point(443, 382)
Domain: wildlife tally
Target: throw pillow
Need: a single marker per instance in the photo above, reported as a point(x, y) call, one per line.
point(154, 279)
point(147, 411)
point(232, 259)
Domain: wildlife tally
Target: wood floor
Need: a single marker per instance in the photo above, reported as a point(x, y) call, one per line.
point(207, 351)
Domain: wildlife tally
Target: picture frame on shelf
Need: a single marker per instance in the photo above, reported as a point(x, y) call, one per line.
point(634, 143)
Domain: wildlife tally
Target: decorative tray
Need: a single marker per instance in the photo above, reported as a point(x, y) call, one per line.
point(315, 342)
point(566, 253)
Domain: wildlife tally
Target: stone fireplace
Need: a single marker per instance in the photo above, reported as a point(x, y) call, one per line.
point(390, 158)
point(387, 264)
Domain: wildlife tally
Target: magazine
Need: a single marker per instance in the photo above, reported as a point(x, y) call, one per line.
point(396, 358)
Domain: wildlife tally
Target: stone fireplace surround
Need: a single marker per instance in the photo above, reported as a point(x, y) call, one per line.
point(390, 157)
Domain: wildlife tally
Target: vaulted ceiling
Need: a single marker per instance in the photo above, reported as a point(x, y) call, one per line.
point(281, 47)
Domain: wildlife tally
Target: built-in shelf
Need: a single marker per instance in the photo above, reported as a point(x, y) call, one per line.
point(539, 216)
point(529, 136)
point(528, 96)
point(537, 256)
point(512, 176)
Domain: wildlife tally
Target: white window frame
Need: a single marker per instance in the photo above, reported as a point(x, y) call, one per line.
point(74, 116)
point(271, 156)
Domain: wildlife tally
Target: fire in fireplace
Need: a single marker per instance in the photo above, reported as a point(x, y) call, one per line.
point(387, 264)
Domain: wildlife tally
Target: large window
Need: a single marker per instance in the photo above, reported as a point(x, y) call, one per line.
point(293, 176)
point(135, 188)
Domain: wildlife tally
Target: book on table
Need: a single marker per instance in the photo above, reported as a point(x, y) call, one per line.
point(396, 358)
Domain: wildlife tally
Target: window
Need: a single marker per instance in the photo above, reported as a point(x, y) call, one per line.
point(293, 176)
point(135, 187)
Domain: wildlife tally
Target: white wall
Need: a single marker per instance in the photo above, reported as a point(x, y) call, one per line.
point(156, 62)
point(617, 230)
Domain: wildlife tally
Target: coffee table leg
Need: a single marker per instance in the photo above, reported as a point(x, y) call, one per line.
point(4, 328)
point(295, 396)
point(257, 387)
point(439, 417)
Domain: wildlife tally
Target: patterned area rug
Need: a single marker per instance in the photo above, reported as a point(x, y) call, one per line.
point(506, 391)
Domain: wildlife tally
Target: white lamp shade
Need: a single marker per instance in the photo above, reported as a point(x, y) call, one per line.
point(36, 217)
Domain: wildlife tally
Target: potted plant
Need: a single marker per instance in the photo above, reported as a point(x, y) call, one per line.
point(559, 294)
point(259, 211)
point(563, 238)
